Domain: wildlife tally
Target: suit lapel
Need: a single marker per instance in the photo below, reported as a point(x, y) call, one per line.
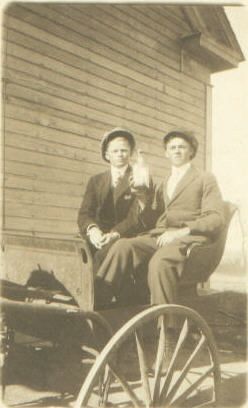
point(189, 176)
point(104, 186)
point(165, 195)
point(122, 186)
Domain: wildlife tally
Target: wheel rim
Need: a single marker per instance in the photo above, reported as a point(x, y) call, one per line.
point(192, 376)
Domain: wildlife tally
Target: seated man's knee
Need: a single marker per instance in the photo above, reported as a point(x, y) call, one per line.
point(123, 245)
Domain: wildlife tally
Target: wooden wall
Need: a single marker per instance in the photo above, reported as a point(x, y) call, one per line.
point(74, 71)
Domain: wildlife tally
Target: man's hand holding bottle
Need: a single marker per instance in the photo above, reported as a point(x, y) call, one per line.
point(140, 180)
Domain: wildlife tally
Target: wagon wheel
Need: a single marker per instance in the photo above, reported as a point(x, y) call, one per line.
point(192, 376)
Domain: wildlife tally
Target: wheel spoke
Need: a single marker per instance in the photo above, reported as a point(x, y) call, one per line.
point(194, 386)
point(126, 387)
point(143, 366)
point(171, 368)
point(159, 361)
point(104, 386)
point(90, 350)
point(186, 369)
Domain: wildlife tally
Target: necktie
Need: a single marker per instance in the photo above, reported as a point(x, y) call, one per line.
point(117, 180)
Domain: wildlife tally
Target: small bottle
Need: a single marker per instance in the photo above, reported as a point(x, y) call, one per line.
point(140, 171)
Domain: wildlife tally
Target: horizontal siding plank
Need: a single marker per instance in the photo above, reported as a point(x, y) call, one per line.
point(135, 18)
point(64, 132)
point(78, 46)
point(52, 117)
point(61, 98)
point(173, 13)
point(41, 132)
point(41, 63)
point(89, 129)
point(33, 127)
point(37, 225)
point(50, 147)
point(49, 186)
point(92, 89)
point(25, 156)
point(79, 32)
point(110, 17)
point(46, 78)
point(178, 104)
point(88, 64)
point(106, 44)
point(25, 210)
point(163, 22)
point(143, 51)
point(42, 198)
point(39, 172)
point(67, 140)
point(117, 14)
point(75, 65)
point(138, 124)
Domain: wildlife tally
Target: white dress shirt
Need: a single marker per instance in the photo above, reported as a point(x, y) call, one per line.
point(177, 174)
point(117, 174)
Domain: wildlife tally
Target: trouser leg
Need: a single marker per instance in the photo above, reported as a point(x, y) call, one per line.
point(99, 255)
point(122, 259)
point(164, 271)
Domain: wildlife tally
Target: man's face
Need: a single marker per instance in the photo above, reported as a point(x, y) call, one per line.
point(118, 152)
point(178, 151)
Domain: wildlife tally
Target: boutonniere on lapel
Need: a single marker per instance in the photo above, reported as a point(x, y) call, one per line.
point(127, 196)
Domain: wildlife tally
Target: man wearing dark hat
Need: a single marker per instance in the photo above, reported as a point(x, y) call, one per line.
point(111, 207)
point(187, 208)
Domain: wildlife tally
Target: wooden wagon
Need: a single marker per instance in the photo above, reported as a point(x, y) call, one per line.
point(125, 365)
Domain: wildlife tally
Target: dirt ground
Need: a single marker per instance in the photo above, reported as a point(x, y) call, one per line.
point(40, 377)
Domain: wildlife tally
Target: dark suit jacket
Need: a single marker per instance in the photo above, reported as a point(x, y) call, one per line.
point(196, 203)
point(118, 211)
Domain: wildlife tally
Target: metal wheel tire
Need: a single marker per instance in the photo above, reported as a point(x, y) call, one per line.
point(191, 377)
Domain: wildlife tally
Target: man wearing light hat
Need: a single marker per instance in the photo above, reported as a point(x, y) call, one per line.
point(111, 207)
point(187, 209)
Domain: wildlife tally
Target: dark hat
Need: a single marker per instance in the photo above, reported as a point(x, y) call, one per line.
point(184, 135)
point(116, 132)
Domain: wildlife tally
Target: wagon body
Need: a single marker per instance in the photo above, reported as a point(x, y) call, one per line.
point(47, 292)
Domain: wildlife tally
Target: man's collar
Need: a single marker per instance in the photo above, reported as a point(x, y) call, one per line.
point(181, 169)
point(118, 171)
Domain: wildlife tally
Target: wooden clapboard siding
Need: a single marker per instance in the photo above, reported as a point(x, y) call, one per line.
point(164, 109)
point(73, 71)
point(26, 210)
point(37, 171)
point(15, 37)
point(36, 225)
point(89, 78)
point(28, 183)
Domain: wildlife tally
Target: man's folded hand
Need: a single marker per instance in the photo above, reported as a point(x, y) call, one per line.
point(95, 236)
point(110, 236)
point(99, 239)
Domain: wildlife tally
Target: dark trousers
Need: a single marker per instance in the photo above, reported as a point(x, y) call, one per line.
point(165, 266)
